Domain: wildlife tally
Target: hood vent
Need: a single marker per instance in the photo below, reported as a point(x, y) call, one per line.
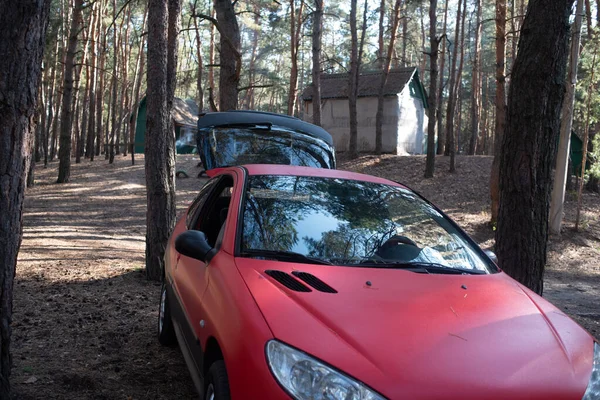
point(314, 282)
point(288, 281)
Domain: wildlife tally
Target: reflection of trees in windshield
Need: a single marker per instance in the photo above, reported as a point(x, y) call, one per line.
point(238, 146)
point(348, 221)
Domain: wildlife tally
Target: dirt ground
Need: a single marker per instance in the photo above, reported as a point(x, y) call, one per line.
point(85, 316)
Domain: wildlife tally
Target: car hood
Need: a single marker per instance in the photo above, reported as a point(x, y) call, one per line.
point(426, 336)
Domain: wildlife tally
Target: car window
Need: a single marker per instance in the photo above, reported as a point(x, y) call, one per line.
point(213, 214)
point(349, 222)
point(275, 145)
point(192, 215)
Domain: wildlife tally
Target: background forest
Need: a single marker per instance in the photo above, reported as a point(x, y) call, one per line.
point(276, 63)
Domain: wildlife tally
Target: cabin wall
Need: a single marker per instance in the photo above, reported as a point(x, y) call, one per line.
point(335, 119)
point(404, 123)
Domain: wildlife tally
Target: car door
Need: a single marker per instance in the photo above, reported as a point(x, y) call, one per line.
point(190, 275)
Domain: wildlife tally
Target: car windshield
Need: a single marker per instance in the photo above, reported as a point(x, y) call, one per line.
point(351, 223)
point(268, 144)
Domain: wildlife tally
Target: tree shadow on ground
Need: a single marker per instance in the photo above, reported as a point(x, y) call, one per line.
point(93, 339)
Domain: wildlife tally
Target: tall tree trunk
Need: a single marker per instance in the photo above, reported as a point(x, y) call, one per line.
point(211, 69)
point(500, 105)
point(476, 83)
point(353, 82)
point(160, 155)
point(433, 63)
point(84, 118)
point(295, 38)
point(64, 168)
point(529, 144)
point(452, 85)
point(199, 86)
point(440, 135)
point(564, 145)
point(135, 101)
point(114, 88)
point(404, 41)
point(76, 135)
point(51, 92)
point(23, 31)
point(355, 63)
point(125, 106)
point(384, 76)
point(317, 34)
point(65, 11)
point(100, 94)
point(230, 57)
point(458, 91)
point(89, 149)
point(42, 106)
point(381, 48)
point(250, 102)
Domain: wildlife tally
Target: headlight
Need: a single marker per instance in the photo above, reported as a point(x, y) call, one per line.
point(306, 378)
point(593, 389)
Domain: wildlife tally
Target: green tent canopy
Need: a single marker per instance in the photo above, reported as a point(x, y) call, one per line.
point(185, 116)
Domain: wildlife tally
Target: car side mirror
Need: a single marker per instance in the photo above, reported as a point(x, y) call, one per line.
point(194, 244)
point(492, 256)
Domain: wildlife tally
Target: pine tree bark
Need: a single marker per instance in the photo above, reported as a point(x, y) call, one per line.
point(64, 154)
point(136, 90)
point(454, 139)
point(50, 120)
point(564, 145)
point(384, 76)
point(23, 30)
point(529, 144)
point(433, 65)
point(440, 131)
point(295, 38)
point(89, 148)
point(230, 57)
point(211, 68)
point(114, 89)
point(317, 34)
point(125, 106)
point(100, 88)
point(353, 82)
point(452, 85)
point(380, 41)
point(476, 84)
point(159, 150)
point(500, 105)
point(355, 64)
point(199, 85)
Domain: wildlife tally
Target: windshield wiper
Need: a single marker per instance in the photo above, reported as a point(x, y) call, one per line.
point(284, 256)
point(433, 268)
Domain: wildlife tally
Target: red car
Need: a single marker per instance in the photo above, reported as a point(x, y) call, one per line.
point(293, 282)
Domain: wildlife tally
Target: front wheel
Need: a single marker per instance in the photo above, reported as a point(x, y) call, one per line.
point(166, 331)
point(217, 384)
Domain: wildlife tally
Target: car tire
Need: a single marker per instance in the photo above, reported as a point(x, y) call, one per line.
point(217, 383)
point(166, 330)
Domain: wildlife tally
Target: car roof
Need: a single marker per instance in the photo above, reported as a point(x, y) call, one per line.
point(211, 119)
point(293, 170)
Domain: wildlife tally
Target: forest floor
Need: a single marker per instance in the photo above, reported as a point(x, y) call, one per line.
point(85, 316)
